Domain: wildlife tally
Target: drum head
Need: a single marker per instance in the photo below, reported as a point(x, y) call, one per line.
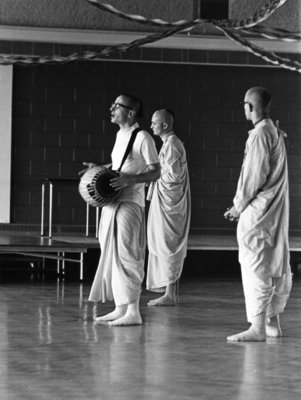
point(95, 188)
point(103, 187)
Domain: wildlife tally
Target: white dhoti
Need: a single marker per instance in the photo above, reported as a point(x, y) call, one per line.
point(265, 294)
point(264, 259)
point(162, 273)
point(121, 266)
point(266, 274)
point(167, 241)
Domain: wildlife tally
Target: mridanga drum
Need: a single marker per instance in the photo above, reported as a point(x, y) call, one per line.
point(94, 186)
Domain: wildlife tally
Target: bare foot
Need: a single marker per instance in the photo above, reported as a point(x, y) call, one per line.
point(273, 327)
point(164, 301)
point(250, 335)
point(117, 313)
point(127, 319)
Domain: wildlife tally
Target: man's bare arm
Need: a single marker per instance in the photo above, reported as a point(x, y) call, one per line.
point(152, 174)
point(90, 165)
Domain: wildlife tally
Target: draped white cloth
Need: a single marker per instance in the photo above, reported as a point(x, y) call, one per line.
point(122, 240)
point(122, 233)
point(262, 231)
point(169, 216)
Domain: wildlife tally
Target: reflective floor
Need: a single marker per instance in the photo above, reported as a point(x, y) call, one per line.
point(50, 348)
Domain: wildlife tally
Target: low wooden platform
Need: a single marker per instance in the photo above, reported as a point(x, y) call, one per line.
point(227, 242)
point(214, 242)
point(33, 243)
point(29, 244)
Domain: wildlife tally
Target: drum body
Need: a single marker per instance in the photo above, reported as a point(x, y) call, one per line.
point(94, 186)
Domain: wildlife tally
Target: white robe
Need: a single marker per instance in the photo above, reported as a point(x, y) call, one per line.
point(169, 217)
point(262, 231)
point(122, 233)
point(122, 240)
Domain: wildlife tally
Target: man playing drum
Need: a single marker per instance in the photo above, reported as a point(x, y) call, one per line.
point(122, 226)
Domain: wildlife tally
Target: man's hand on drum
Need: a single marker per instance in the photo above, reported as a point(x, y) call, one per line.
point(88, 165)
point(122, 181)
point(232, 214)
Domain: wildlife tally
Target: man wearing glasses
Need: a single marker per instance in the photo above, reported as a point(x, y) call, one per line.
point(122, 226)
point(261, 206)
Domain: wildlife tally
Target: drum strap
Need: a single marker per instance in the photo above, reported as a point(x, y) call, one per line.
point(129, 147)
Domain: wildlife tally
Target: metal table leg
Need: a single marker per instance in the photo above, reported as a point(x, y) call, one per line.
point(42, 209)
point(50, 208)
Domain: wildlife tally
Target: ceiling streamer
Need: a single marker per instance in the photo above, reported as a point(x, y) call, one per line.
point(232, 29)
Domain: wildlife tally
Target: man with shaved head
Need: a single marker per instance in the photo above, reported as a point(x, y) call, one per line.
point(261, 206)
point(169, 214)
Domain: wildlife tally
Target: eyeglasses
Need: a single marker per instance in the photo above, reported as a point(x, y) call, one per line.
point(118, 105)
point(251, 107)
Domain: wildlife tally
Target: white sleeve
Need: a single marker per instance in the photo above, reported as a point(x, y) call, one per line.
point(148, 149)
point(256, 168)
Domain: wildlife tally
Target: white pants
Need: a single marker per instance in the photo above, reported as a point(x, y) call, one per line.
point(264, 293)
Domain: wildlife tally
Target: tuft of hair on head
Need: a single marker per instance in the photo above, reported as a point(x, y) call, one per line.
point(171, 114)
point(134, 103)
point(262, 96)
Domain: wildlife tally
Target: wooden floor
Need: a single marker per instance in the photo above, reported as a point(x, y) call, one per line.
point(51, 349)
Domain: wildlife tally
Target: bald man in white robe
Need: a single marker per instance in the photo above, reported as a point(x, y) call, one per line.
point(261, 206)
point(169, 214)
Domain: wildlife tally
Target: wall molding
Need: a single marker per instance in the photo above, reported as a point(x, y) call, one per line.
point(107, 38)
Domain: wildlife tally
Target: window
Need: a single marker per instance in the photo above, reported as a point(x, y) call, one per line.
point(213, 9)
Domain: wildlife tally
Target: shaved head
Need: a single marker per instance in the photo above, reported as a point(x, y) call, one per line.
point(162, 122)
point(260, 98)
point(166, 116)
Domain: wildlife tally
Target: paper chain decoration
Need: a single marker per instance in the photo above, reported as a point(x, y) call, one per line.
point(261, 15)
point(230, 28)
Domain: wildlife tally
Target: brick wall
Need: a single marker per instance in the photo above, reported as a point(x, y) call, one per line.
point(60, 119)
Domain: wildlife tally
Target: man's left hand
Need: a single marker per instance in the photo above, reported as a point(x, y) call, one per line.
point(232, 214)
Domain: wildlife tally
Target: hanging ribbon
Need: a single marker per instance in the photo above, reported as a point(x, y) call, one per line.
point(248, 25)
